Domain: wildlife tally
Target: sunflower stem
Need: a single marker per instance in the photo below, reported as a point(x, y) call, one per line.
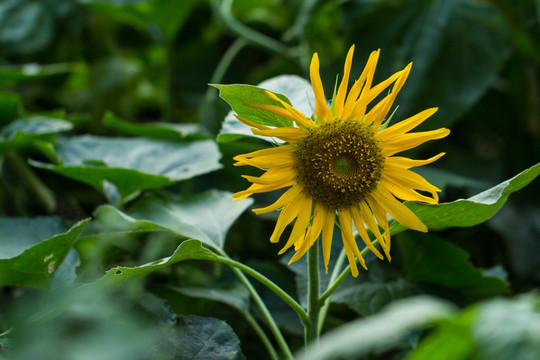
point(325, 303)
point(312, 330)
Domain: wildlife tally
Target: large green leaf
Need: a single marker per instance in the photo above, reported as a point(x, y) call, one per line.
point(293, 89)
point(33, 249)
point(457, 48)
point(472, 211)
point(429, 259)
point(131, 165)
point(206, 217)
point(155, 130)
point(359, 337)
point(235, 295)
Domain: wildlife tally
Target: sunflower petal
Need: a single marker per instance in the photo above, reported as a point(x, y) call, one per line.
point(287, 215)
point(301, 224)
point(339, 102)
point(359, 224)
point(406, 125)
point(406, 163)
point(322, 112)
point(397, 210)
point(283, 200)
point(411, 140)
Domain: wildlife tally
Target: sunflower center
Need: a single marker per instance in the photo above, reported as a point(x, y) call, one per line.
point(339, 163)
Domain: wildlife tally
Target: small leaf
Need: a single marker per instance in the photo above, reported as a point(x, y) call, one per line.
point(472, 211)
point(293, 89)
point(429, 259)
point(143, 164)
point(31, 253)
point(36, 131)
point(361, 336)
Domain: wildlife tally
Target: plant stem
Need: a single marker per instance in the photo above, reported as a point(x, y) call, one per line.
point(267, 344)
point(265, 312)
point(268, 283)
point(312, 330)
point(333, 286)
point(325, 303)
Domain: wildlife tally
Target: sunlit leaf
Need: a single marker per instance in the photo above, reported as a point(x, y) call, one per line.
point(206, 217)
point(33, 249)
point(132, 165)
point(378, 331)
point(471, 211)
point(429, 259)
point(293, 89)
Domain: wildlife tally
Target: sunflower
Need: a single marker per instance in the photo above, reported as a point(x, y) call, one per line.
point(340, 163)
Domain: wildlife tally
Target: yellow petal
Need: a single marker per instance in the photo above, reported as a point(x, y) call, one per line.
point(287, 215)
point(382, 220)
point(297, 116)
point(397, 210)
point(300, 225)
point(367, 217)
point(251, 123)
point(312, 234)
point(327, 234)
point(345, 221)
point(411, 140)
point(273, 176)
point(359, 84)
point(282, 112)
point(339, 101)
point(359, 224)
point(283, 133)
point(322, 112)
point(283, 200)
point(406, 125)
point(406, 163)
point(257, 188)
point(267, 161)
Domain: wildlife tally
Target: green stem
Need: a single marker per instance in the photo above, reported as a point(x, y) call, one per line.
point(264, 310)
point(224, 10)
point(312, 331)
point(42, 193)
point(304, 318)
point(262, 335)
point(207, 115)
point(333, 286)
point(325, 303)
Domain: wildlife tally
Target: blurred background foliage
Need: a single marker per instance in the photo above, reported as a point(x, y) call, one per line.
point(107, 102)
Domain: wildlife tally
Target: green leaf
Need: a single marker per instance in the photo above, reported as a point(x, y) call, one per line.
point(33, 249)
point(200, 337)
point(235, 295)
point(155, 130)
point(368, 297)
point(35, 130)
point(429, 259)
point(472, 211)
point(143, 163)
point(378, 331)
point(187, 250)
point(11, 75)
point(206, 217)
point(291, 88)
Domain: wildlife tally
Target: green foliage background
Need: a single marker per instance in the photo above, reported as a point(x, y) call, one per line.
point(114, 179)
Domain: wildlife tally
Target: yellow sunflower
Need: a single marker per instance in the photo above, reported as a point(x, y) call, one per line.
point(340, 162)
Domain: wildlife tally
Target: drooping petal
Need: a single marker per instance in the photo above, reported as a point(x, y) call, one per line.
point(283, 200)
point(322, 112)
point(296, 115)
point(397, 210)
point(345, 221)
point(287, 215)
point(380, 215)
point(359, 224)
point(267, 161)
point(301, 224)
point(367, 218)
point(251, 123)
point(257, 188)
point(327, 233)
point(319, 217)
point(288, 134)
point(272, 176)
point(284, 113)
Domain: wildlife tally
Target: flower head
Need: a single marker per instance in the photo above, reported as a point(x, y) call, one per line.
point(340, 163)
